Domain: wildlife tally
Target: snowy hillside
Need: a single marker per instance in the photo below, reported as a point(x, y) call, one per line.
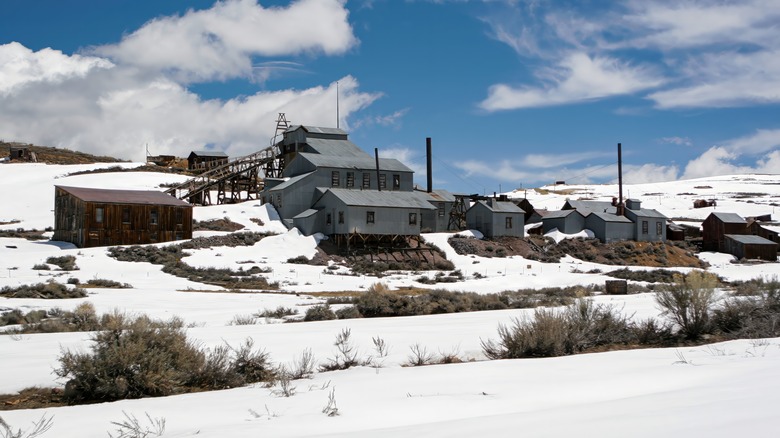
point(723, 390)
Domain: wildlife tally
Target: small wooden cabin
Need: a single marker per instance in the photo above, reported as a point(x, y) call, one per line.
point(206, 160)
point(90, 217)
point(717, 225)
point(750, 247)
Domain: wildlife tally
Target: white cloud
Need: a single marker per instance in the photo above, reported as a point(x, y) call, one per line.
point(558, 160)
point(220, 42)
point(649, 173)
point(705, 53)
point(118, 110)
point(761, 141)
point(679, 141)
point(393, 119)
point(578, 77)
point(20, 66)
point(134, 93)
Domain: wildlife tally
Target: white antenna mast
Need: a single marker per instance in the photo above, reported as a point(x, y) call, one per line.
point(337, 104)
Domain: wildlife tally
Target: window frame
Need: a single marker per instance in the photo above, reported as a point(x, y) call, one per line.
point(100, 214)
point(370, 217)
point(508, 222)
point(396, 181)
point(154, 218)
point(366, 180)
point(350, 180)
point(335, 178)
point(645, 227)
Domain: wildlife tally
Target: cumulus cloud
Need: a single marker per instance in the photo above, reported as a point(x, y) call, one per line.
point(118, 99)
point(220, 42)
point(20, 66)
point(679, 141)
point(576, 78)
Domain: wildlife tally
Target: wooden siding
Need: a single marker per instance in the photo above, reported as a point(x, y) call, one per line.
point(743, 250)
point(76, 221)
point(714, 230)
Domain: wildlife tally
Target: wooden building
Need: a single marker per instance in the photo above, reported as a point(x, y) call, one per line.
point(750, 247)
point(206, 160)
point(90, 217)
point(22, 153)
point(717, 225)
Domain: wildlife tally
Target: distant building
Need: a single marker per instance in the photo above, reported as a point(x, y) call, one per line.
point(565, 221)
point(750, 247)
point(206, 160)
point(717, 225)
point(601, 217)
point(650, 224)
point(329, 185)
point(495, 218)
point(90, 217)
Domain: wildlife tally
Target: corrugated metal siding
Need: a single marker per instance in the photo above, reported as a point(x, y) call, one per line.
point(358, 163)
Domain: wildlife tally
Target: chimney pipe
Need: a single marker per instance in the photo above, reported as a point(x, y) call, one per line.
point(428, 159)
point(620, 210)
point(376, 156)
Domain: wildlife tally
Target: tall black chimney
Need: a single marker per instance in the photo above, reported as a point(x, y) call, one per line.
point(428, 159)
point(620, 210)
point(376, 156)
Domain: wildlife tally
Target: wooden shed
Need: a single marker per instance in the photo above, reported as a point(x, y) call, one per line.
point(206, 160)
point(717, 225)
point(90, 217)
point(750, 247)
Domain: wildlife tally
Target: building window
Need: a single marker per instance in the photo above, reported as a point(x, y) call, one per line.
point(412, 218)
point(328, 219)
point(179, 215)
point(350, 179)
point(382, 181)
point(369, 217)
point(153, 217)
point(341, 217)
point(396, 182)
point(99, 215)
point(126, 215)
point(659, 228)
point(366, 180)
point(508, 222)
point(335, 178)
point(441, 209)
point(278, 200)
point(644, 227)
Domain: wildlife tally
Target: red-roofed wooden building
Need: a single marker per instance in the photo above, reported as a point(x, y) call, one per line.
point(90, 217)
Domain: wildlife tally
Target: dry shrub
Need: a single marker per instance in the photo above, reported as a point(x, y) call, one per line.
point(688, 302)
point(319, 313)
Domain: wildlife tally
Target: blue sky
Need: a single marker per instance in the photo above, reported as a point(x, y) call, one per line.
point(514, 93)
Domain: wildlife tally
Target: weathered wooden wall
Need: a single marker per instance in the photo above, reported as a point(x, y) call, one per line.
point(122, 224)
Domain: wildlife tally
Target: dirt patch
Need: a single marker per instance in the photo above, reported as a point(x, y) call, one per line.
point(32, 398)
point(627, 253)
point(51, 155)
point(412, 256)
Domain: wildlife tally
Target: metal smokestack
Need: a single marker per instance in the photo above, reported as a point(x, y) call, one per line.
point(376, 156)
point(620, 210)
point(428, 162)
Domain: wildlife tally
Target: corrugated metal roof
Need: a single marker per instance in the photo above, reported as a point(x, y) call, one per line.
point(729, 218)
point(648, 212)
point(209, 154)
point(305, 213)
point(749, 239)
point(438, 195)
point(317, 130)
point(558, 214)
point(503, 207)
point(290, 181)
point(358, 163)
point(585, 207)
point(375, 198)
point(147, 197)
point(343, 148)
point(609, 217)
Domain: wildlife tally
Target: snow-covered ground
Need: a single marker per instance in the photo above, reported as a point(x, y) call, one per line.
point(723, 390)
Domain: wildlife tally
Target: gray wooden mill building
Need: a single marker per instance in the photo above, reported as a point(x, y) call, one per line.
point(329, 185)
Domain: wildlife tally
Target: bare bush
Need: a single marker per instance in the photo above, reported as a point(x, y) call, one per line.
point(346, 355)
point(330, 409)
point(688, 302)
point(321, 312)
point(38, 428)
point(419, 356)
point(131, 427)
point(303, 366)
